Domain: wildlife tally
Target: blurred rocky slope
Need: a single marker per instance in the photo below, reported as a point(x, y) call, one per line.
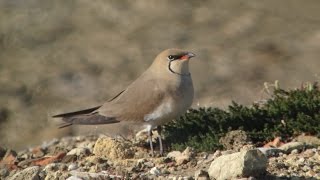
point(57, 56)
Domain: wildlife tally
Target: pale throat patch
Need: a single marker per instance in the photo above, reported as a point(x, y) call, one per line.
point(159, 112)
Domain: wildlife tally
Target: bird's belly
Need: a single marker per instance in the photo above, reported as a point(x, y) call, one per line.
point(166, 112)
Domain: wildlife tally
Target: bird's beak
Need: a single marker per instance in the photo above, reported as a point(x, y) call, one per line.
point(191, 55)
point(188, 56)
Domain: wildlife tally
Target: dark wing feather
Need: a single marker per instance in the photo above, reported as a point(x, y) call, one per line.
point(85, 111)
point(115, 96)
point(87, 119)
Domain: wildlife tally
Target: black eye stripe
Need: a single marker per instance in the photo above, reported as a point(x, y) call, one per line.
point(174, 57)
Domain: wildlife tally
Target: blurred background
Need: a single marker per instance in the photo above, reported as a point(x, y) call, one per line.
point(59, 56)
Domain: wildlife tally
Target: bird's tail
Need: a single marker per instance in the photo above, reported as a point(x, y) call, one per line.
point(85, 117)
point(81, 112)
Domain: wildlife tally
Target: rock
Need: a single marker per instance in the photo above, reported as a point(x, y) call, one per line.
point(74, 178)
point(155, 171)
point(112, 149)
point(149, 164)
point(72, 166)
point(201, 175)
point(270, 152)
point(310, 140)
point(31, 173)
point(241, 164)
point(173, 154)
point(181, 158)
point(51, 167)
point(79, 151)
point(288, 147)
point(235, 140)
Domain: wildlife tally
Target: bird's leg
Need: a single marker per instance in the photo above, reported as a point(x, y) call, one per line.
point(150, 141)
point(159, 130)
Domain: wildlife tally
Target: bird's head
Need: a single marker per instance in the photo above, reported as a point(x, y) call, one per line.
point(174, 61)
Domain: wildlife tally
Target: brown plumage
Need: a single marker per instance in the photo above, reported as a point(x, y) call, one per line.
point(163, 92)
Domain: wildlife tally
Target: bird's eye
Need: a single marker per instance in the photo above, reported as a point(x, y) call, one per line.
point(170, 57)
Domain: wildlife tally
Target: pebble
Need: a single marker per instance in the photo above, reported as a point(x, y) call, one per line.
point(79, 151)
point(155, 171)
point(72, 167)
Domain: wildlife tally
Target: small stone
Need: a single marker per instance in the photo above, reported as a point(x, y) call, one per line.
point(74, 178)
point(181, 158)
point(155, 171)
point(42, 174)
point(294, 151)
point(28, 173)
point(173, 154)
point(113, 149)
point(51, 167)
point(149, 164)
point(217, 153)
point(309, 152)
point(79, 151)
point(241, 164)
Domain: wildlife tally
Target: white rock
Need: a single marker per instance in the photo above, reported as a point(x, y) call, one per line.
point(155, 171)
point(72, 167)
point(181, 158)
point(241, 164)
point(174, 154)
point(74, 178)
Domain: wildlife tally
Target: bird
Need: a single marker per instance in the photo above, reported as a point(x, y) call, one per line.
point(159, 95)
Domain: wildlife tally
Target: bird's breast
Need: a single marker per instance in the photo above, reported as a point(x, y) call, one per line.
point(179, 98)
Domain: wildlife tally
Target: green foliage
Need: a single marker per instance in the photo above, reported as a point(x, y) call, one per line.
point(285, 114)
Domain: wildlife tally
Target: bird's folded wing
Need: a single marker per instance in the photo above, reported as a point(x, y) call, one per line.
point(139, 99)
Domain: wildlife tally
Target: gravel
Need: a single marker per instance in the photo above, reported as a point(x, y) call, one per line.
point(73, 158)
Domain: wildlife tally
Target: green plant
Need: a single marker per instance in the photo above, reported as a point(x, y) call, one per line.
point(285, 114)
